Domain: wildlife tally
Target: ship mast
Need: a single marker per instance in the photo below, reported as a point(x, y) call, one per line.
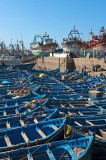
point(22, 43)
point(12, 47)
point(75, 32)
point(102, 30)
point(90, 35)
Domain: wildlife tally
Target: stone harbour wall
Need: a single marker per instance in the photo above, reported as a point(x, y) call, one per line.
point(51, 63)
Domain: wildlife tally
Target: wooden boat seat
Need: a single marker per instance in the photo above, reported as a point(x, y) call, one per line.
point(71, 105)
point(99, 137)
point(103, 134)
point(50, 154)
point(4, 113)
point(35, 120)
point(7, 140)
point(87, 104)
point(70, 113)
point(90, 123)
point(78, 123)
point(43, 115)
point(16, 112)
point(41, 133)
point(62, 105)
point(54, 127)
point(80, 113)
point(8, 125)
point(22, 123)
point(25, 137)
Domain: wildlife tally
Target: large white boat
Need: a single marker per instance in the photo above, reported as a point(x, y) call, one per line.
point(73, 43)
point(44, 46)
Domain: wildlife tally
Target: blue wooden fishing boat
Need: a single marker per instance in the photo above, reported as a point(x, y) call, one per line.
point(29, 107)
point(99, 149)
point(86, 121)
point(31, 118)
point(76, 149)
point(92, 124)
point(9, 102)
point(86, 111)
point(23, 92)
point(32, 134)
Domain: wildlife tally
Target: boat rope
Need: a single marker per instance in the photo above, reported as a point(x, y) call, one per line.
point(62, 155)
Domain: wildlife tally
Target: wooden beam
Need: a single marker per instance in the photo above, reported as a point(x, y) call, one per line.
point(80, 113)
point(22, 123)
point(41, 133)
point(7, 140)
point(90, 123)
point(54, 127)
point(78, 123)
point(25, 137)
point(99, 137)
point(70, 113)
point(8, 125)
point(71, 105)
point(35, 120)
point(4, 113)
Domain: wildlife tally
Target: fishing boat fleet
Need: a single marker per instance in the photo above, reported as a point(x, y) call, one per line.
point(45, 117)
point(72, 44)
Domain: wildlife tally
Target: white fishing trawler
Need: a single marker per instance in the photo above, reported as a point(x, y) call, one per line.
point(44, 46)
point(73, 43)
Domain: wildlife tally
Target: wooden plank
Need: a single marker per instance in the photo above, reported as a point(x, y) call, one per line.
point(80, 113)
point(54, 127)
point(7, 140)
point(99, 137)
point(70, 113)
point(35, 120)
point(103, 134)
point(43, 115)
point(25, 137)
point(4, 113)
point(78, 123)
point(22, 123)
point(8, 125)
point(71, 105)
point(41, 133)
point(90, 123)
point(62, 105)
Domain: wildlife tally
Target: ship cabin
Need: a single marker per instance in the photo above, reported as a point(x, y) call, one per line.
point(47, 41)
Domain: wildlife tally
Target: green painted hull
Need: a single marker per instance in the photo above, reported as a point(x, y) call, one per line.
point(41, 53)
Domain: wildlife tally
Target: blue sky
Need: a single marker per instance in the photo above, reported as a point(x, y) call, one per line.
point(26, 18)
